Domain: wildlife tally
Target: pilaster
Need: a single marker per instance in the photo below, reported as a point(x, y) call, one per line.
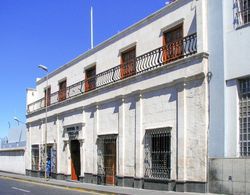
point(181, 133)
point(139, 137)
point(121, 138)
point(82, 157)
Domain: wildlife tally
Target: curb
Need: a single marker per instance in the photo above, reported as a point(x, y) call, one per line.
point(59, 185)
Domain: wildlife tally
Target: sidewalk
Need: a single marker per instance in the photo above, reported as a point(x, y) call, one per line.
point(89, 187)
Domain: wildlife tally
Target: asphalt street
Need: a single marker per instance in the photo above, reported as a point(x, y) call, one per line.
point(19, 187)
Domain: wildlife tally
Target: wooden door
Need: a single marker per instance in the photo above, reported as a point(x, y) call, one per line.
point(62, 90)
point(128, 66)
point(90, 79)
point(47, 96)
point(173, 44)
point(75, 159)
point(110, 162)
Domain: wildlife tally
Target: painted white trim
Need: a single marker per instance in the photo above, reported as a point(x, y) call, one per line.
point(130, 46)
point(89, 66)
point(172, 25)
point(62, 80)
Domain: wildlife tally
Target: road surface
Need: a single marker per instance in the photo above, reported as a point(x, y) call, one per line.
point(10, 186)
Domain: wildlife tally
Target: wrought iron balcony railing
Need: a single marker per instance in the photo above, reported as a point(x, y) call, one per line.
point(148, 61)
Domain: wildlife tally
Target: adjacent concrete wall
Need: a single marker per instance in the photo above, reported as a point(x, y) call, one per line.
point(229, 176)
point(216, 84)
point(12, 160)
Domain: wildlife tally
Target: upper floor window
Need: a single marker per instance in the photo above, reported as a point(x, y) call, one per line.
point(173, 44)
point(241, 12)
point(244, 85)
point(47, 95)
point(90, 79)
point(128, 63)
point(62, 90)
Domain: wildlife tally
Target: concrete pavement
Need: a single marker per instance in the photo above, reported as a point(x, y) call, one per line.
point(90, 188)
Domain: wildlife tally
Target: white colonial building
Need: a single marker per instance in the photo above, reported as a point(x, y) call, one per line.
point(133, 111)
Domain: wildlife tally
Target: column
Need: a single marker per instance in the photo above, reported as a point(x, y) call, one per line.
point(121, 138)
point(68, 156)
point(58, 147)
point(28, 163)
point(96, 129)
point(82, 155)
point(139, 141)
point(181, 133)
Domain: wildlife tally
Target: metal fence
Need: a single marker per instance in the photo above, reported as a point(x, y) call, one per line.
point(13, 145)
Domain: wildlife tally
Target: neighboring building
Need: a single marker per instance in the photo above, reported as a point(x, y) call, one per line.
point(143, 123)
point(229, 132)
point(12, 151)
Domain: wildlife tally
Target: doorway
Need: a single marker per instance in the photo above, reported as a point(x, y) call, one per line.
point(75, 159)
point(110, 161)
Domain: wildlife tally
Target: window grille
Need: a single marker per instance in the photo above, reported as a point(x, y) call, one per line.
point(157, 160)
point(53, 159)
point(245, 117)
point(35, 157)
point(241, 12)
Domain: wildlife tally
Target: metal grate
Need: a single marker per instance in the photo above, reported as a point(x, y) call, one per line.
point(241, 12)
point(157, 160)
point(106, 161)
point(245, 117)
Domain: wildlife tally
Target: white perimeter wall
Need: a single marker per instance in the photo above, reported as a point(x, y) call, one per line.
point(12, 161)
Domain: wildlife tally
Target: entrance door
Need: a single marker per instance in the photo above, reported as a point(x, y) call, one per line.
point(75, 159)
point(110, 162)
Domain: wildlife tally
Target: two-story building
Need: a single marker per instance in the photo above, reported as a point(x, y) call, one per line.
point(133, 111)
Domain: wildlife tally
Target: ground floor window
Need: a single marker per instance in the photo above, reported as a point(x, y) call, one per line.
point(244, 86)
point(157, 153)
point(35, 157)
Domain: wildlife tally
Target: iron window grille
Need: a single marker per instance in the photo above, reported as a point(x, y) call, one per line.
point(244, 117)
point(35, 157)
point(51, 154)
point(241, 12)
point(157, 160)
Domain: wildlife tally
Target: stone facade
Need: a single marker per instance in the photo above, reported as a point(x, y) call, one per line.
point(171, 97)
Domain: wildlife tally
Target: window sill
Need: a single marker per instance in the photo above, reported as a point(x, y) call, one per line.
point(243, 26)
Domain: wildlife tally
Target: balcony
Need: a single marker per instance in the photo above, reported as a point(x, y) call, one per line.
point(146, 62)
